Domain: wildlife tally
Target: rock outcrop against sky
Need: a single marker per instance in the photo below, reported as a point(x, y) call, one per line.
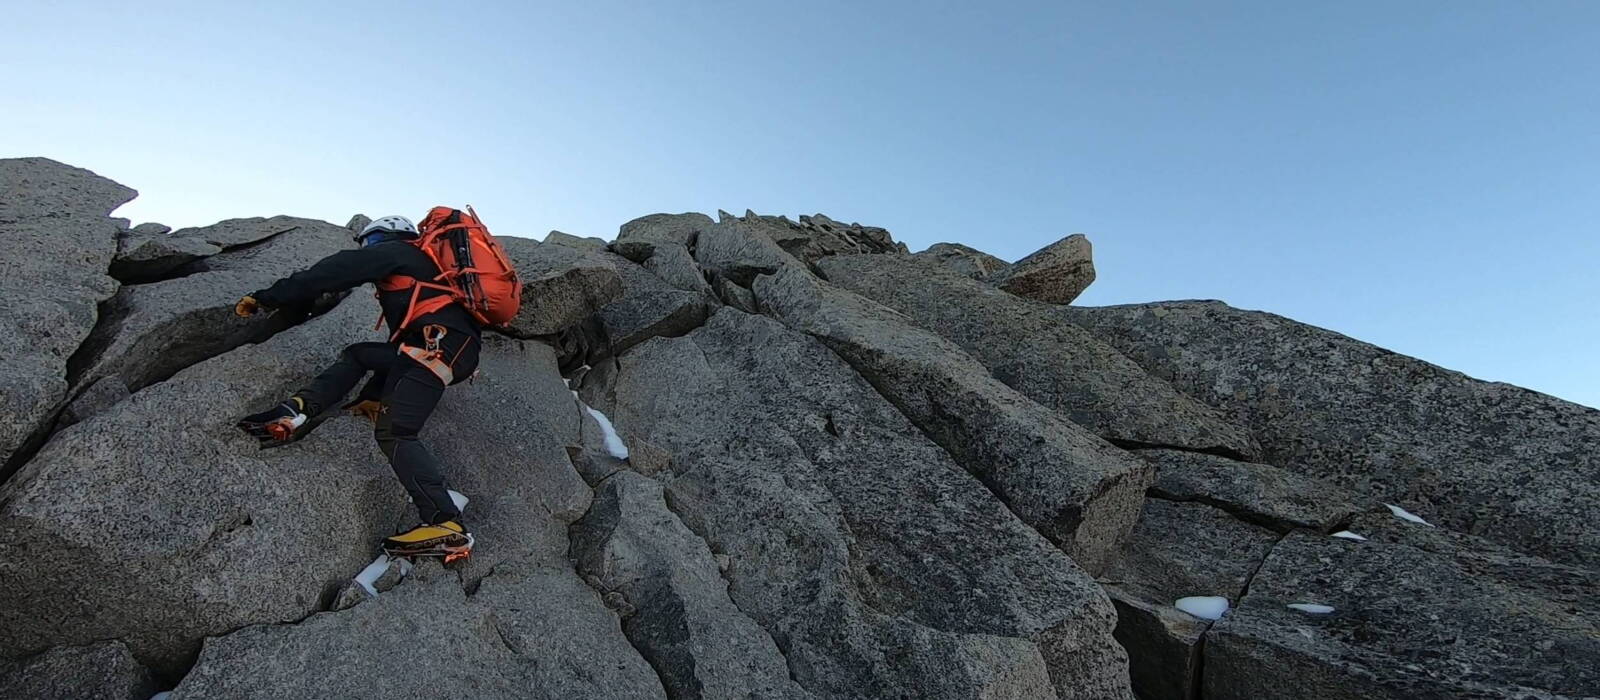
point(759, 457)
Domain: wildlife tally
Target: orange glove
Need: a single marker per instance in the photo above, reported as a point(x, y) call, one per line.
point(367, 408)
point(247, 307)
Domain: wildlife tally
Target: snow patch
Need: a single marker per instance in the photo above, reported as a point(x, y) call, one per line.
point(459, 499)
point(1313, 608)
point(1403, 514)
point(1346, 534)
point(373, 572)
point(614, 443)
point(163, 695)
point(1205, 607)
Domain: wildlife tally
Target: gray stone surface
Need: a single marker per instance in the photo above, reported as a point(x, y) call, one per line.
point(502, 440)
point(1260, 493)
point(1418, 613)
point(965, 261)
point(93, 401)
point(649, 307)
point(560, 286)
point(547, 615)
point(423, 639)
point(357, 223)
point(736, 296)
point(233, 233)
point(1030, 348)
point(700, 644)
point(101, 671)
point(675, 266)
point(1056, 273)
point(589, 244)
point(878, 566)
point(665, 228)
point(1074, 488)
point(741, 250)
point(157, 522)
point(151, 228)
point(59, 242)
point(149, 257)
point(1178, 550)
point(150, 331)
point(1512, 465)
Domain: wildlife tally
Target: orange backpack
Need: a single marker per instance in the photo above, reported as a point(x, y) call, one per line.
point(473, 269)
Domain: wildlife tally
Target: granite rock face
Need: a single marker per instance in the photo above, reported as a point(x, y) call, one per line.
point(59, 244)
point(766, 458)
point(1509, 464)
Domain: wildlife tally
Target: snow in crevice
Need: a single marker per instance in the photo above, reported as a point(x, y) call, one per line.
point(1312, 608)
point(1404, 514)
point(163, 695)
point(374, 571)
point(1348, 535)
point(614, 443)
point(1205, 607)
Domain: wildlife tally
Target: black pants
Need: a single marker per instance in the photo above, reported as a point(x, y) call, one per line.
point(408, 392)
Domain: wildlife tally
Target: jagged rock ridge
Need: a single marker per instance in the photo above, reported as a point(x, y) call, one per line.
point(850, 472)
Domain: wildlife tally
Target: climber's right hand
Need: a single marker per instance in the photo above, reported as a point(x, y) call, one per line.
point(247, 307)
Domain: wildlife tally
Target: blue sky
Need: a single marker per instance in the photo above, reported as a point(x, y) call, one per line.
point(1421, 175)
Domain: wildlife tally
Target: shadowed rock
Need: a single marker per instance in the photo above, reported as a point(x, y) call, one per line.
point(649, 307)
point(1076, 489)
point(740, 251)
point(1509, 464)
point(102, 671)
point(144, 257)
point(877, 564)
point(59, 241)
point(233, 233)
point(1178, 550)
point(664, 228)
point(699, 643)
point(1260, 493)
point(589, 245)
point(151, 331)
point(1417, 612)
point(1030, 348)
point(817, 236)
point(1055, 274)
point(675, 266)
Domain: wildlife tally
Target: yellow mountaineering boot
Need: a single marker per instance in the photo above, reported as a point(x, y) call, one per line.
point(447, 539)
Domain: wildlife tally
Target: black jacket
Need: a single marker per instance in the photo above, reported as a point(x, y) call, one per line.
point(351, 268)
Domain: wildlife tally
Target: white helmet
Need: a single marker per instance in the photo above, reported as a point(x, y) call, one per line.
point(395, 225)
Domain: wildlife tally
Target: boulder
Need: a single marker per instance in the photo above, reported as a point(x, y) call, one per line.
point(560, 286)
point(649, 307)
point(1259, 493)
point(877, 565)
point(967, 262)
point(700, 643)
point(1414, 612)
point(357, 223)
point(101, 671)
point(740, 250)
point(1074, 488)
point(1030, 348)
point(1509, 464)
point(1055, 274)
point(675, 266)
point(151, 229)
point(423, 639)
point(1178, 550)
point(233, 233)
point(590, 244)
point(59, 241)
point(148, 332)
point(573, 643)
point(664, 228)
point(158, 523)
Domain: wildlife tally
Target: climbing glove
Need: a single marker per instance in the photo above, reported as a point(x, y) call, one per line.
point(247, 306)
point(366, 408)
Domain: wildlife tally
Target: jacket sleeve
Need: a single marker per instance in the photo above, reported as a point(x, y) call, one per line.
point(335, 273)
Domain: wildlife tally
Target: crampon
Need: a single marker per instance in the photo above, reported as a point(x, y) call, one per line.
point(450, 553)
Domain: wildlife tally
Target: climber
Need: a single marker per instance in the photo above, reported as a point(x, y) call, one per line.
point(435, 349)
